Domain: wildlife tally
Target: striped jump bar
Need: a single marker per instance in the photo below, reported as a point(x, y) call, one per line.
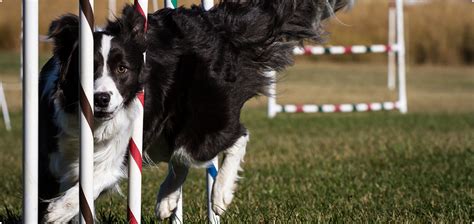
point(334, 108)
point(335, 50)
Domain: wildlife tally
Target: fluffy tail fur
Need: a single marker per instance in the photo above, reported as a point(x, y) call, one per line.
point(283, 20)
point(272, 27)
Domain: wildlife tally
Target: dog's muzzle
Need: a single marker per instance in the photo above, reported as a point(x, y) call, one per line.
point(101, 105)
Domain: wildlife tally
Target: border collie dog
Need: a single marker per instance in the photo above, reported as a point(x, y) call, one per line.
point(202, 66)
point(118, 61)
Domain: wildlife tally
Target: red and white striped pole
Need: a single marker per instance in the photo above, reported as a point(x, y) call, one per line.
point(337, 50)
point(86, 71)
point(30, 111)
point(136, 143)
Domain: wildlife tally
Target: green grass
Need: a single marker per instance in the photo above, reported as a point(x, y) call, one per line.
point(380, 167)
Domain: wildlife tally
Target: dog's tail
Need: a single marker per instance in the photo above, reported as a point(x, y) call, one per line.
point(272, 27)
point(282, 19)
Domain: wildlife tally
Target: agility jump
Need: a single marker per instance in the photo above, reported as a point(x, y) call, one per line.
point(391, 49)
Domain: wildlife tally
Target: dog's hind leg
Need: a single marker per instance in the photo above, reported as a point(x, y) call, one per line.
point(170, 192)
point(223, 190)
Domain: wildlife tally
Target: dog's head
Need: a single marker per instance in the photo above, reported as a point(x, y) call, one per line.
point(118, 62)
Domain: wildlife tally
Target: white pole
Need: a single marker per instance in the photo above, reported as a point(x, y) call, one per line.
point(21, 45)
point(155, 5)
point(207, 4)
point(3, 104)
point(172, 4)
point(392, 20)
point(136, 145)
point(112, 9)
point(402, 93)
point(272, 105)
point(30, 111)
point(211, 177)
point(86, 71)
point(177, 217)
point(211, 172)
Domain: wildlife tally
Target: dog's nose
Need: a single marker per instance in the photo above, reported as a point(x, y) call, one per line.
point(101, 99)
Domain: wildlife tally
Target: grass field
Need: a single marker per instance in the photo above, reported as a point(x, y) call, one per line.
point(362, 167)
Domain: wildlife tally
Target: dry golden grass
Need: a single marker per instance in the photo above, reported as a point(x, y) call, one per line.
point(10, 17)
point(441, 32)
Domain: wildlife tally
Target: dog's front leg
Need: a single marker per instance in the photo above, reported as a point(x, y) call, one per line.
point(223, 190)
point(63, 208)
point(170, 190)
point(66, 207)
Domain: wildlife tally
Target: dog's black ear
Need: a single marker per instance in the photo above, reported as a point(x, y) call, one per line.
point(64, 32)
point(131, 25)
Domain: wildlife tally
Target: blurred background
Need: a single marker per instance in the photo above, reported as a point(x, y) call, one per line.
point(439, 34)
point(356, 167)
point(437, 31)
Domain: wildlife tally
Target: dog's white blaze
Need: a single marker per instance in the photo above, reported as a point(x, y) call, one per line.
point(105, 83)
point(106, 44)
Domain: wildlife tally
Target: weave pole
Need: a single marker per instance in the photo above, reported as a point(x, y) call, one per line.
point(155, 5)
point(177, 216)
point(135, 158)
point(213, 169)
point(86, 72)
point(402, 92)
point(172, 4)
point(207, 4)
point(30, 111)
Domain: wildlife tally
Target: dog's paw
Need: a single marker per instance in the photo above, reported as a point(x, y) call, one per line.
point(61, 211)
point(166, 206)
point(222, 195)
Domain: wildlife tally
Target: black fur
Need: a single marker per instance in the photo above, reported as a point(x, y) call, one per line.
point(203, 66)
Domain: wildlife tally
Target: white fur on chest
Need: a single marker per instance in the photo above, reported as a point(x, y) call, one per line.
point(110, 146)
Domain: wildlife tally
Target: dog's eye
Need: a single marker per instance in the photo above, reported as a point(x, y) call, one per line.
point(121, 69)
